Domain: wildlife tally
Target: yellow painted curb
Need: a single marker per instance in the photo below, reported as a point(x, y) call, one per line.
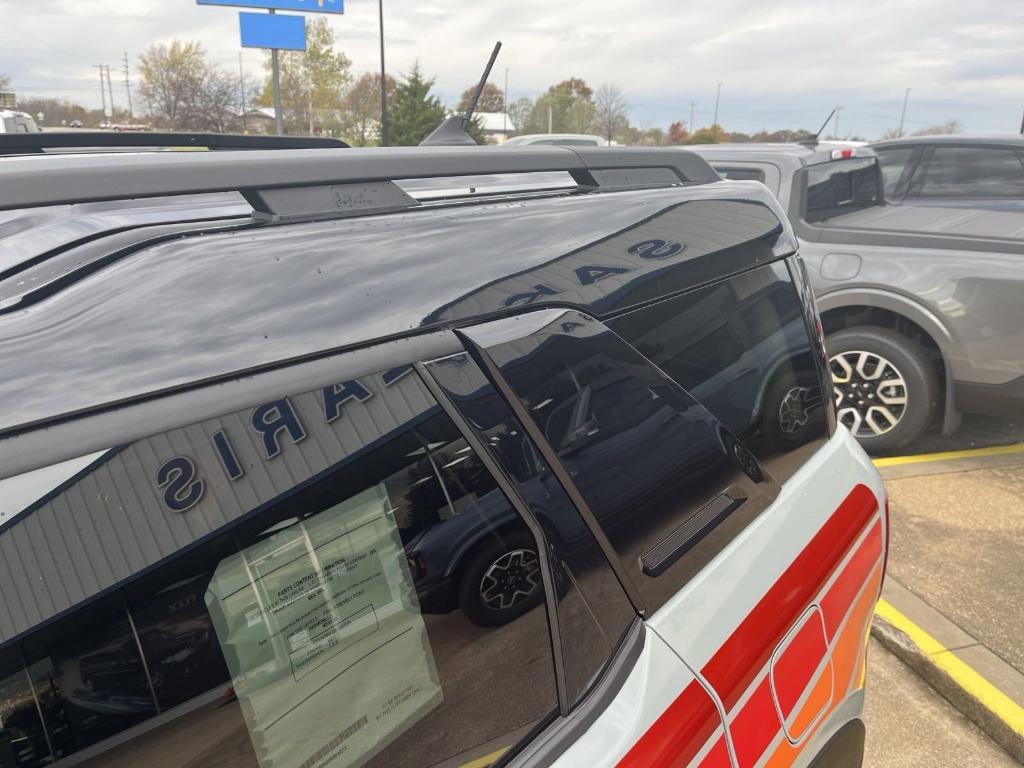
point(996, 450)
point(993, 699)
point(483, 762)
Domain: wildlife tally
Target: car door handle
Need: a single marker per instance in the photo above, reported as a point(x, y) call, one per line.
point(656, 560)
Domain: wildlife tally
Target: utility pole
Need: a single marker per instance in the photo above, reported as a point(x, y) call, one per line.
point(838, 110)
point(549, 116)
point(310, 107)
point(383, 81)
point(103, 90)
point(275, 68)
point(128, 87)
point(504, 115)
point(110, 92)
point(903, 114)
point(241, 89)
point(718, 95)
point(692, 127)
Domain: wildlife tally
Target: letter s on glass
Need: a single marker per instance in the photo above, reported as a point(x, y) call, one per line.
point(182, 487)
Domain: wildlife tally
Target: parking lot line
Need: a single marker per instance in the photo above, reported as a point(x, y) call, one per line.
point(993, 699)
point(483, 762)
point(996, 450)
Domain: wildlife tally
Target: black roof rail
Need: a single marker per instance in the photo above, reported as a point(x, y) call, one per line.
point(38, 143)
point(328, 181)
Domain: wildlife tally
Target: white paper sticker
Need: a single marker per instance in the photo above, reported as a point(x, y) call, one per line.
point(322, 633)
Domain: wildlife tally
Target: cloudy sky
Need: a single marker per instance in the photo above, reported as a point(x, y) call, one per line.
point(783, 64)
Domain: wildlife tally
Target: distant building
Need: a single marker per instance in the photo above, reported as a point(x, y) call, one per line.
point(259, 120)
point(7, 100)
point(497, 126)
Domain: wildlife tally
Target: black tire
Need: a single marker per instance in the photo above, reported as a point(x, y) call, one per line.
point(512, 556)
point(909, 362)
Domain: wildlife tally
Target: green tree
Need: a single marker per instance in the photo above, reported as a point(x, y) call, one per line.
point(360, 110)
point(415, 112)
point(712, 134)
point(519, 114)
point(313, 81)
point(567, 107)
point(476, 131)
point(491, 100)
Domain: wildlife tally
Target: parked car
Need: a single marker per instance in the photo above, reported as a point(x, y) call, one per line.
point(531, 475)
point(557, 139)
point(12, 121)
point(921, 306)
point(958, 171)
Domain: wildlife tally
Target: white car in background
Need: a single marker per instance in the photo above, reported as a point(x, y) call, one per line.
point(17, 122)
point(558, 139)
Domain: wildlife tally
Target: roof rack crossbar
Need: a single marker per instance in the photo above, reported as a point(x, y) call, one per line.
point(35, 143)
point(25, 183)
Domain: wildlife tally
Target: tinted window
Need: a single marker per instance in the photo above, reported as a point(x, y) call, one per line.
point(650, 462)
point(893, 162)
point(741, 174)
point(593, 611)
point(842, 186)
point(331, 578)
point(973, 172)
point(742, 349)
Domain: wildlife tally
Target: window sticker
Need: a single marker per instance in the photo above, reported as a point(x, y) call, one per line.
point(321, 630)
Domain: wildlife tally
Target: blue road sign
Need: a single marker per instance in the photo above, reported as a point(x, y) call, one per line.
point(309, 6)
point(265, 30)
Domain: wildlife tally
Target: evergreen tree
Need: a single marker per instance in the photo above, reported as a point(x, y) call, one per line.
point(414, 113)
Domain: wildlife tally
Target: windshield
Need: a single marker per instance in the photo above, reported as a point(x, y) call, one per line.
point(840, 187)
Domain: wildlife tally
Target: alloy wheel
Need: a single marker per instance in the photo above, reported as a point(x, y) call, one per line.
point(510, 579)
point(870, 393)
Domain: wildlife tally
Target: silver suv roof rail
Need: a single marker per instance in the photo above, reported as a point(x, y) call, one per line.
point(39, 143)
point(328, 182)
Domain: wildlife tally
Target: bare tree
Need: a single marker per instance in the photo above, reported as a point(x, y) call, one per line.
point(949, 126)
point(215, 105)
point(171, 79)
point(609, 111)
point(360, 109)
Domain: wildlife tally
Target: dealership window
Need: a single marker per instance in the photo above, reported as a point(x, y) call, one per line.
point(373, 600)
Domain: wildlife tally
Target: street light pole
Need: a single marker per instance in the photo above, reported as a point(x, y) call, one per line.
point(383, 81)
point(718, 95)
point(693, 105)
point(275, 69)
point(903, 114)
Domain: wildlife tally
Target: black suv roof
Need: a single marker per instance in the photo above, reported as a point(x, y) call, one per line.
point(315, 269)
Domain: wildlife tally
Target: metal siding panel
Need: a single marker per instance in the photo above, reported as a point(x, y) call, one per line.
point(109, 501)
point(63, 561)
point(110, 544)
point(35, 594)
point(12, 587)
point(46, 557)
point(64, 519)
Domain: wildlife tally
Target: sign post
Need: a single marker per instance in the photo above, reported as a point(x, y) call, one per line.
point(277, 33)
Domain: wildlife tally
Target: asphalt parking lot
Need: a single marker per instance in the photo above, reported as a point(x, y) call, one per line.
point(954, 583)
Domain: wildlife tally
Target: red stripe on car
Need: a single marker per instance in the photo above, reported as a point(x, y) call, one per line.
point(755, 726)
point(733, 667)
point(841, 594)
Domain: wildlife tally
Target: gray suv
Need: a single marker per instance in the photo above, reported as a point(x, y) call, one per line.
point(923, 307)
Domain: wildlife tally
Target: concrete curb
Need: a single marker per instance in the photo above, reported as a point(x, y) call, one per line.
point(924, 664)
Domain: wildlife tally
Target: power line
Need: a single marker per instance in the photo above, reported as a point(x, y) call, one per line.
point(103, 92)
point(128, 87)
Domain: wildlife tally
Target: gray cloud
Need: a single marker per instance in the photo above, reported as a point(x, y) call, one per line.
point(783, 64)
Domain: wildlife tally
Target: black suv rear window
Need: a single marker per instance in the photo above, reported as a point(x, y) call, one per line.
point(842, 186)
